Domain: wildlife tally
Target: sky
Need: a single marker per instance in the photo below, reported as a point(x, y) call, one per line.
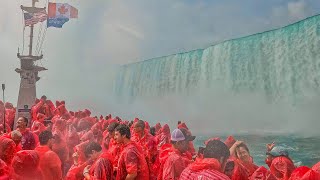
point(83, 55)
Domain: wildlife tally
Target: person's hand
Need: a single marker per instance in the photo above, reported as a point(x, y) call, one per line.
point(237, 143)
point(86, 170)
point(75, 158)
point(270, 146)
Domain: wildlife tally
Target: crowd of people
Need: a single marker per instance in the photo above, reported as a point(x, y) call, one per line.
point(56, 144)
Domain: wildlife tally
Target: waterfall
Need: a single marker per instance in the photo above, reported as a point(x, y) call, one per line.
point(282, 64)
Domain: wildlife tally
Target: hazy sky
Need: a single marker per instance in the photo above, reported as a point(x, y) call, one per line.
point(82, 55)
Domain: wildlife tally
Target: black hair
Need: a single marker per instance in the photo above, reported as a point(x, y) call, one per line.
point(130, 123)
point(244, 146)
point(216, 149)
point(153, 131)
point(112, 126)
point(124, 130)
point(92, 146)
point(179, 122)
point(44, 137)
point(141, 124)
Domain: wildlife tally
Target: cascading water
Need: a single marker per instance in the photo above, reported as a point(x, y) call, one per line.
point(282, 63)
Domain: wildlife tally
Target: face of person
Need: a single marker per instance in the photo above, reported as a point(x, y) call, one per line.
point(243, 154)
point(183, 146)
point(118, 137)
point(21, 123)
point(94, 155)
point(137, 128)
point(111, 134)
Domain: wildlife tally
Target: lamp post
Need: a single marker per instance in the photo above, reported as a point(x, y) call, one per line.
point(4, 109)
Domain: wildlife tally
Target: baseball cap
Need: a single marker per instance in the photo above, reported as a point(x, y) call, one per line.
point(278, 151)
point(181, 135)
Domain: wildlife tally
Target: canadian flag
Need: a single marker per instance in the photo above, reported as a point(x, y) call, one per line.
point(62, 10)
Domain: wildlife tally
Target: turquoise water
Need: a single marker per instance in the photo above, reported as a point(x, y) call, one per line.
point(282, 64)
point(303, 151)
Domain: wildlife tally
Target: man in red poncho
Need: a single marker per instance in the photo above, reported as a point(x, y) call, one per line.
point(143, 138)
point(102, 166)
point(191, 150)
point(29, 140)
point(16, 136)
point(110, 144)
point(50, 164)
point(212, 166)
point(176, 163)
point(132, 163)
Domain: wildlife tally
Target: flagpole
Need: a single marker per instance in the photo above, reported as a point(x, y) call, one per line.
point(31, 31)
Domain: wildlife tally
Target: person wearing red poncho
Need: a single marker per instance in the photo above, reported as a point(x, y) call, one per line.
point(212, 166)
point(244, 165)
point(7, 149)
point(26, 166)
point(110, 145)
point(29, 140)
point(143, 138)
point(164, 136)
point(304, 173)
point(191, 150)
point(262, 173)
point(316, 167)
point(132, 163)
point(102, 167)
point(175, 162)
point(281, 166)
point(50, 163)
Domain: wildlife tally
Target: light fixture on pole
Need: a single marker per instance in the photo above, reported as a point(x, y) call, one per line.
point(4, 108)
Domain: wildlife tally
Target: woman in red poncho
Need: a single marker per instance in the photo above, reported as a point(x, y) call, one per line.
point(26, 165)
point(244, 165)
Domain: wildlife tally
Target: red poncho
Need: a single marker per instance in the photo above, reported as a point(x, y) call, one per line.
point(262, 174)
point(164, 136)
point(243, 170)
point(304, 173)
point(7, 149)
point(282, 167)
point(5, 171)
point(316, 167)
point(102, 168)
point(49, 164)
point(207, 169)
point(173, 166)
point(131, 161)
point(25, 164)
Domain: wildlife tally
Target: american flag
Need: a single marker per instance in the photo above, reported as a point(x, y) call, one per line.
point(34, 18)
